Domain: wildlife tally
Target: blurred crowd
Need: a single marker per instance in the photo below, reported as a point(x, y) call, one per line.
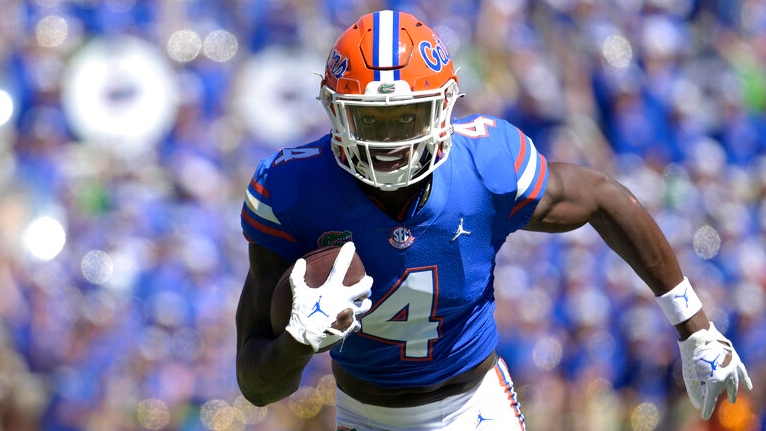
point(129, 130)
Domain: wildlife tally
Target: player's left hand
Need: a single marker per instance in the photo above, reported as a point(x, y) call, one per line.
point(710, 365)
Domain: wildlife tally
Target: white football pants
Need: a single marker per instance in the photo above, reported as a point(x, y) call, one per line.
point(491, 406)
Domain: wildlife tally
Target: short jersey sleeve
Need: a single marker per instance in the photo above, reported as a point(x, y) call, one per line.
point(531, 169)
point(508, 163)
point(260, 222)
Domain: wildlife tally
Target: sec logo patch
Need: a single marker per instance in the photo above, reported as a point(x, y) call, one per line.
point(401, 237)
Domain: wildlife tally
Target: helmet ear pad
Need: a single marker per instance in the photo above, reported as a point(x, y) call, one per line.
point(389, 59)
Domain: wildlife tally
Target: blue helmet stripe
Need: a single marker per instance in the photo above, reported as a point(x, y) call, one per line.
point(376, 43)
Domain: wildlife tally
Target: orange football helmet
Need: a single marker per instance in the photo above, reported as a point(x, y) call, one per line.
point(389, 88)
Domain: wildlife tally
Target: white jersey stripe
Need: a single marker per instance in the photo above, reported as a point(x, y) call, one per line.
point(528, 170)
point(260, 209)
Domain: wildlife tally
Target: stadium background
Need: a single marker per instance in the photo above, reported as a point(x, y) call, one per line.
point(130, 128)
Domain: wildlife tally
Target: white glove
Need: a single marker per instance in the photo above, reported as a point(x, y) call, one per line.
point(315, 309)
point(710, 365)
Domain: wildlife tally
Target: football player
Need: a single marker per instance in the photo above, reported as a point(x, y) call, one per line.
point(427, 202)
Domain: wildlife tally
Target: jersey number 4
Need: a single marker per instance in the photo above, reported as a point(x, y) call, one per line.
point(477, 128)
point(290, 154)
point(406, 315)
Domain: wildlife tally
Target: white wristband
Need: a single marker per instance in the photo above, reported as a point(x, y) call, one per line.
point(680, 303)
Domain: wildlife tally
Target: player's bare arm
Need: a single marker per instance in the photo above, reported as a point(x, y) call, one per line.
point(576, 195)
point(269, 366)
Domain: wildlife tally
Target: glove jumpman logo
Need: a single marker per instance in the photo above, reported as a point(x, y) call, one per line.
point(318, 309)
point(713, 364)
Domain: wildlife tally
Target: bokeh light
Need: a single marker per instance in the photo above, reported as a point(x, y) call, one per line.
point(250, 414)
point(45, 238)
point(217, 415)
point(52, 31)
point(6, 107)
point(645, 417)
point(97, 266)
point(706, 242)
point(738, 416)
point(326, 390)
point(184, 46)
point(152, 414)
point(547, 353)
point(305, 402)
point(617, 51)
point(220, 46)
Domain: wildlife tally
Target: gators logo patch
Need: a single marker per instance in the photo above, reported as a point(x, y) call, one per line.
point(386, 88)
point(334, 238)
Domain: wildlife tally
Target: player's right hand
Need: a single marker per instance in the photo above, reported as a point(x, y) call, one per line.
point(314, 310)
point(710, 366)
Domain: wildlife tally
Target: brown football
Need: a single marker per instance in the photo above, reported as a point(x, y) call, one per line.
point(318, 265)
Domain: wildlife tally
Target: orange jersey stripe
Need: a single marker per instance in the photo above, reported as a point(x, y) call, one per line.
point(265, 229)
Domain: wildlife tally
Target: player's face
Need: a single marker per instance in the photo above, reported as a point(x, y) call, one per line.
point(389, 124)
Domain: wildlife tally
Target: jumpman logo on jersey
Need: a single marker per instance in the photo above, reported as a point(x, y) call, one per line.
point(460, 230)
point(685, 296)
point(480, 419)
point(318, 309)
point(713, 364)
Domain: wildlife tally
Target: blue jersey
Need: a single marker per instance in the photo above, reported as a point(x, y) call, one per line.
point(432, 294)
